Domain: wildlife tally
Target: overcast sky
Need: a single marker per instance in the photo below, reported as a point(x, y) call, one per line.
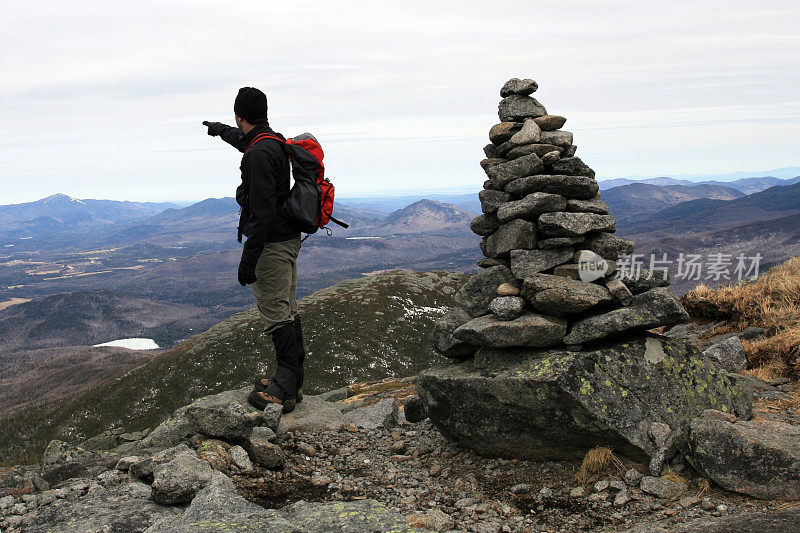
point(106, 99)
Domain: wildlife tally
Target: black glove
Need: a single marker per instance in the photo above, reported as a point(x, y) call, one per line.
point(214, 128)
point(247, 273)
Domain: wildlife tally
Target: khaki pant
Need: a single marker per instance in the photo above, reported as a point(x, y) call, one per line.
point(276, 285)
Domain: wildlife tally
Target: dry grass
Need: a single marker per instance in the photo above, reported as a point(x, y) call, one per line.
point(771, 302)
point(793, 402)
point(784, 342)
point(767, 371)
point(599, 462)
point(704, 486)
point(674, 476)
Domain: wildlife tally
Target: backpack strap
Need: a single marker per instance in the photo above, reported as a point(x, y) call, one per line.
point(262, 136)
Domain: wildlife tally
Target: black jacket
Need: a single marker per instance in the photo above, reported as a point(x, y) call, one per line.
point(264, 187)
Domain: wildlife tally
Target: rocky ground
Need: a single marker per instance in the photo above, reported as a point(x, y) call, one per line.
point(353, 454)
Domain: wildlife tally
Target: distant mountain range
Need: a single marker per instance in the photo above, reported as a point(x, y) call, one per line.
point(745, 185)
point(188, 256)
point(637, 199)
point(60, 211)
point(705, 214)
point(766, 223)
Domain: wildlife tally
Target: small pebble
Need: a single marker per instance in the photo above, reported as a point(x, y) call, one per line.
point(617, 485)
point(522, 487)
point(600, 486)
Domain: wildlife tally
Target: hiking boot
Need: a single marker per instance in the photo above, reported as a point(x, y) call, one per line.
point(260, 400)
point(262, 384)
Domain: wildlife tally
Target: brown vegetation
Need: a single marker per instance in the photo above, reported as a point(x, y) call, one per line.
point(771, 302)
point(597, 462)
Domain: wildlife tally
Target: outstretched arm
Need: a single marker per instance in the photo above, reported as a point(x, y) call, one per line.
point(229, 134)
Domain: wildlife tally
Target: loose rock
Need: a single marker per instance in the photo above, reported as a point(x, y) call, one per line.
point(578, 187)
point(522, 87)
point(526, 263)
point(517, 107)
point(531, 206)
point(179, 480)
point(507, 307)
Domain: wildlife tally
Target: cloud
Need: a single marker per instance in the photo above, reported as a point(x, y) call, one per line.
point(105, 100)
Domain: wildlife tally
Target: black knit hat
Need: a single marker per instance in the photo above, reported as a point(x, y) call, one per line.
point(250, 104)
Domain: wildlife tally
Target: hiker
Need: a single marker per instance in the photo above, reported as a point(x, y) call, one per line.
point(269, 257)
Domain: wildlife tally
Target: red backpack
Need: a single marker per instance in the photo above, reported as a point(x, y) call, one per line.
point(310, 202)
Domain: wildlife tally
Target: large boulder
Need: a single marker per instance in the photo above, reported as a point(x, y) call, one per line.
point(529, 329)
point(219, 507)
point(226, 415)
point(62, 461)
point(728, 353)
point(556, 404)
point(756, 457)
point(125, 507)
point(175, 429)
point(651, 309)
point(382, 414)
point(178, 480)
point(311, 415)
point(771, 521)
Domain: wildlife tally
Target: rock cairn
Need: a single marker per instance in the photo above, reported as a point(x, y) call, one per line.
point(549, 275)
point(555, 339)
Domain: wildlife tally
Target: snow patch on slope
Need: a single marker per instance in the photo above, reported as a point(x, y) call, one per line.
point(132, 344)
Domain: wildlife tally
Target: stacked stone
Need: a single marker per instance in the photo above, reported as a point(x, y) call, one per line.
point(555, 358)
point(543, 220)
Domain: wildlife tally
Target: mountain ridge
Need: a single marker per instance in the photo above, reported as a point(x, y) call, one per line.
point(401, 304)
point(747, 185)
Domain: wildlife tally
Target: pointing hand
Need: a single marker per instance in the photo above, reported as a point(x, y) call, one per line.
point(214, 128)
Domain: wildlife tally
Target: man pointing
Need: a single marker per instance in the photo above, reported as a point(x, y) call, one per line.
point(269, 257)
